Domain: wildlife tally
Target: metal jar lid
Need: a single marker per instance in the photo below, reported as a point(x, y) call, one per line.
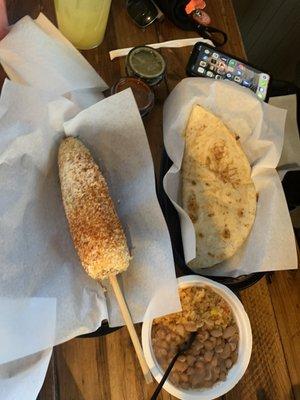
point(146, 63)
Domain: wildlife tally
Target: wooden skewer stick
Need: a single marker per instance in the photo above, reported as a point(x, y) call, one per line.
point(131, 329)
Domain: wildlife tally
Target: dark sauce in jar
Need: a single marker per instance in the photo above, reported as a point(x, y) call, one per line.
point(142, 93)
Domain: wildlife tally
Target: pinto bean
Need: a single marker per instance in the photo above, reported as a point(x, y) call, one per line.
point(208, 355)
point(216, 333)
point(184, 378)
point(190, 326)
point(229, 331)
point(202, 336)
point(160, 352)
point(208, 375)
point(208, 345)
point(174, 377)
point(169, 338)
point(233, 339)
point(228, 363)
point(180, 366)
point(234, 356)
point(190, 371)
point(222, 376)
point(215, 373)
point(219, 349)
point(232, 346)
point(197, 346)
point(190, 360)
point(180, 330)
point(161, 333)
point(196, 381)
point(199, 365)
point(214, 361)
point(226, 352)
point(209, 324)
point(163, 344)
point(213, 340)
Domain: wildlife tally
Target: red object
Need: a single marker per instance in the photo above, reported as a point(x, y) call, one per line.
point(195, 5)
point(201, 17)
point(3, 19)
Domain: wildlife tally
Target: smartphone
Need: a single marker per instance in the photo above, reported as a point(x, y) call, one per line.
point(206, 61)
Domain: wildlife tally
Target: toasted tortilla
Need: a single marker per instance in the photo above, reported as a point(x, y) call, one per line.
point(217, 190)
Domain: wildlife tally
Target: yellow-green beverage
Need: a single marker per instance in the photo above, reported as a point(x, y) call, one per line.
point(83, 22)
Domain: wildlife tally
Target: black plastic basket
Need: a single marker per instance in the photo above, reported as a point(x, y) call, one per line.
point(278, 88)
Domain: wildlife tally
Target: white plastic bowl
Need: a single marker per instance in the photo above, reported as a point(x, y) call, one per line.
point(244, 350)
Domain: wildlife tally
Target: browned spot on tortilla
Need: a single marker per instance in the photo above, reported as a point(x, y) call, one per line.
point(200, 235)
point(226, 233)
point(209, 254)
point(241, 212)
point(193, 182)
point(257, 196)
point(206, 183)
point(237, 137)
point(227, 173)
point(210, 214)
point(219, 150)
point(193, 207)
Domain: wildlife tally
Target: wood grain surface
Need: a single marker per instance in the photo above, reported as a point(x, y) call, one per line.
point(106, 368)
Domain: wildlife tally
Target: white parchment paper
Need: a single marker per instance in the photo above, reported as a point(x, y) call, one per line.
point(290, 156)
point(40, 272)
point(271, 243)
point(22, 379)
point(28, 315)
point(35, 53)
point(114, 131)
point(37, 257)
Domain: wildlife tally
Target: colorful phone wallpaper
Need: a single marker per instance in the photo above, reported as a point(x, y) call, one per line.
point(213, 64)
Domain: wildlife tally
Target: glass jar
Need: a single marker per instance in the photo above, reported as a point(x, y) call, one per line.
point(142, 93)
point(83, 22)
point(146, 63)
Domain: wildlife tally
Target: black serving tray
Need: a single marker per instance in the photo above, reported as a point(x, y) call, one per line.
point(172, 219)
point(278, 88)
point(103, 330)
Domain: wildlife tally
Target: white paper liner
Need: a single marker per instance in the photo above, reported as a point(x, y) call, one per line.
point(35, 53)
point(37, 256)
point(114, 131)
point(23, 379)
point(271, 243)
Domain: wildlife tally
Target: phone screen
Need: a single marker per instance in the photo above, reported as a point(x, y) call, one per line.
point(213, 64)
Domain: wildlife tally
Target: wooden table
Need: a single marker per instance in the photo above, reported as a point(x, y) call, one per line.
point(106, 368)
